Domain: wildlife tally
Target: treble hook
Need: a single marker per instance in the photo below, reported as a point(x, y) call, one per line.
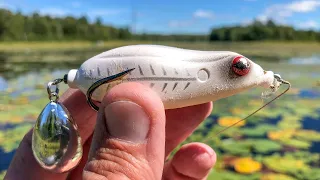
point(100, 82)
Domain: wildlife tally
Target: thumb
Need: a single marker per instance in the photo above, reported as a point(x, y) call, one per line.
point(129, 138)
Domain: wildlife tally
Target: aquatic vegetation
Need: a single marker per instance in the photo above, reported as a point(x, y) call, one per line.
point(247, 146)
point(229, 120)
point(307, 135)
point(285, 164)
point(13, 137)
point(236, 147)
point(312, 174)
point(264, 146)
point(273, 176)
point(305, 156)
point(228, 175)
point(296, 143)
point(282, 134)
point(295, 138)
point(258, 131)
point(2, 174)
point(247, 165)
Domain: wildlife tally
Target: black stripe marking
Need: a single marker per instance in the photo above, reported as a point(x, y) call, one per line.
point(174, 86)
point(108, 71)
point(188, 74)
point(151, 85)
point(161, 79)
point(99, 73)
point(164, 86)
point(140, 70)
point(152, 70)
point(175, 71)
point(186, 86)
point(164, 71)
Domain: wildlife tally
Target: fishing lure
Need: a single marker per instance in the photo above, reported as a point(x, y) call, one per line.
point(181, 78)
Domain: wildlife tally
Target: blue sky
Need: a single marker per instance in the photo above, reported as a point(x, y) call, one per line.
point(178, 16)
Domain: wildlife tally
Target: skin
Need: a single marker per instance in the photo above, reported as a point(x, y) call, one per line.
point(110, 158)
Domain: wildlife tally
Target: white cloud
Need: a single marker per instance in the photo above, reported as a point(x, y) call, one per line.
point(280, 12)
point(198, 14)
point(75, 4)
point(106, 12)
point(203, 14)
point(303, 6)
point(6, 6)
point(311, 24)
point(179, 24)
point(55, 12)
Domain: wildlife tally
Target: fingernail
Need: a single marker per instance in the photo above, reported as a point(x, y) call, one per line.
point(127, 121)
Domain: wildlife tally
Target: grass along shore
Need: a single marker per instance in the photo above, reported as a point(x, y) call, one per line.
point(269, 49)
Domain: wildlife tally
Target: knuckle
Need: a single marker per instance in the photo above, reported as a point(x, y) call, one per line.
point(119, 163)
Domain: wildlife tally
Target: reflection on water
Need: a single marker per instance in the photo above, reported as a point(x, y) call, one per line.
point(5, 159)
point(313, 60)
point(3, 84)
point(311, 123)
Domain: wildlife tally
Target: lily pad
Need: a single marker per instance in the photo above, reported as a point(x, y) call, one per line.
point(307, 135)
point(236, 147)
point(282, 134)
point(265, 146)
point(273, 176)
point(247, 165)
point(14, 136)
point(2, 174)
point(229, 120)
point(228, 175)
point(296, 143)
point(258, 131)
point(285, 164)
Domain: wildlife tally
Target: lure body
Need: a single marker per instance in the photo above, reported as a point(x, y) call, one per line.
point(181, 77)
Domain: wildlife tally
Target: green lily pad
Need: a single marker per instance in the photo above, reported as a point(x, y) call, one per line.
point(14, 136)
point(285, 164)
point(273, 176)
point(2, 174)
point(307, 135)
point(258, 131)
point(296, 143)
point(265, 146)
point(236, 147)
point(228, 175)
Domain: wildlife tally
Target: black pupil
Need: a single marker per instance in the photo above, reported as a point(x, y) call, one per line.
point(242, 64)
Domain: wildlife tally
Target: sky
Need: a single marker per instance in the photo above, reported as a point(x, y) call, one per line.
point(177, 16)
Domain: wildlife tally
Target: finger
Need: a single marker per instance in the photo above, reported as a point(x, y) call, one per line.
point(192, 161)
point(128, 141)
point(182, 122)
point(24, 165)
point(78, 171)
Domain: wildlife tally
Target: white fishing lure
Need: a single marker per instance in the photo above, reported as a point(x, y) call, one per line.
point(181, 77)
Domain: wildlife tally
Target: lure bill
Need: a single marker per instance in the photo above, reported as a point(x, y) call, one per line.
point(180, 77)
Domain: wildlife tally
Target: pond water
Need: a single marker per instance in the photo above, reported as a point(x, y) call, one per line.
point(23, 89)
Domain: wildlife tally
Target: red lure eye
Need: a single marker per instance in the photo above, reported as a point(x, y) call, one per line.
point(240, 65)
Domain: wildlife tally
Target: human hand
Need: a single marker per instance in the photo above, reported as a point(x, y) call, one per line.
point(133, 135)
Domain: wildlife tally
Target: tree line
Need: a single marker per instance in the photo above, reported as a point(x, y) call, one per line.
point(36, 27)
point(19, 27)
point(258, 31)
